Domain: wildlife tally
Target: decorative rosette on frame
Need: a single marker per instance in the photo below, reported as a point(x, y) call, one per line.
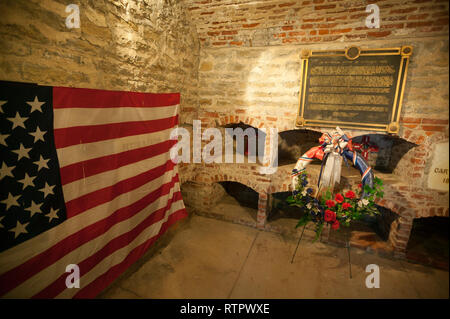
point(322, 208)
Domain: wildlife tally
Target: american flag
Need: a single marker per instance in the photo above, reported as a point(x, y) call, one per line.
point(85, 178)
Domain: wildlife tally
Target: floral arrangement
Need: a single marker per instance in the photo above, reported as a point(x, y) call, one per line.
point(340, 210)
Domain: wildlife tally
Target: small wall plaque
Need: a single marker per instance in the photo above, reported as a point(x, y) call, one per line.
point(353, 88)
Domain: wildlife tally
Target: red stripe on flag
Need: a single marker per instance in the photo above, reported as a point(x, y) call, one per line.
point(87, 134)
point(34, 265)
point(98, 197)
point(95, 287)
point(99, 165)
point(115, 244)
point(64, 97)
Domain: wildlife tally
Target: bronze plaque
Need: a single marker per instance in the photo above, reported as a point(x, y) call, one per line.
point(353, 88)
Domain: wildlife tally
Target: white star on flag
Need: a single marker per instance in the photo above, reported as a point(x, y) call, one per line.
point(52, 214)
point(34, 208)
point(22, 152)
point(42, 163)
point(3, 137)
point(6, 170)
point(27, 181)
point(17, 121)
point(19, 229)
point(11, 201)
point(35, 105)
point(47, 190)
point(38, 135)
point(1, 225)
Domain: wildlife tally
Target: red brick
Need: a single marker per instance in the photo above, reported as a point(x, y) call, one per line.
point(443, 21)
point(419, 24)
point(204, 13)
point(215, 33)
point(418, 16)
point(410, 120)
point(229, 32)
point(440, 14)
point(434, 121)
point(420, 140)
point(307, 26)
point(322, 32)
point(296, 33)
point(313, 20)
point(287, 28)
point(392, 26)
point(433, 128)
point(357, 16)
point(266, 7)
point(327, 25)
point(329, 6)
point(362, 9)
point(251, 25)
point(340, 31)
point(280, 35)
point(406, 10)
point(219, 43)
point(336, 18)
point(236, 43)
point(290, 40)
point(379, 34)
point(211, 114)
point(395, 18)
point(287, 4)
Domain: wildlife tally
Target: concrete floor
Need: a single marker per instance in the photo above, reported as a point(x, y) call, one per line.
point(208, 258)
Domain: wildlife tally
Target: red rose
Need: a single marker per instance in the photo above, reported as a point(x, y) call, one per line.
point(335, 225)
point(360, 185)
point(350, 195)
point(346, 206)
point(339, 198)
point(329, 216)
point(330, 203)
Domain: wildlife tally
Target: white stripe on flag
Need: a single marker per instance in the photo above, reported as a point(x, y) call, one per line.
point(70, 117)
point(86, 151)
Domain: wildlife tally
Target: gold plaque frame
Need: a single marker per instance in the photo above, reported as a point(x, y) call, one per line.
point(353, 53)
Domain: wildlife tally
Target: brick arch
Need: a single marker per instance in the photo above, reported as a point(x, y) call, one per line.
point(279, 187)
point(213, 173)
point(251, 183)
point(287, 128)
point(236, 119)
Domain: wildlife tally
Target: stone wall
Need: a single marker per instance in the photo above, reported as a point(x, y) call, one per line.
point(133, 45)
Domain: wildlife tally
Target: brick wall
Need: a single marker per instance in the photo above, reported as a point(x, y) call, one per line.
point(121, 45)
point(250, 72)
point(262, 23)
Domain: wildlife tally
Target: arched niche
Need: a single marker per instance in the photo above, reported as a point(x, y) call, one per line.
point(384, 152)
point(259, 137)
point(429, 242)
point(294, 143)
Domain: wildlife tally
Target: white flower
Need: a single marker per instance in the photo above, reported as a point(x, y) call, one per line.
point(304, 192)
point(309, 206)
point(363, 202)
